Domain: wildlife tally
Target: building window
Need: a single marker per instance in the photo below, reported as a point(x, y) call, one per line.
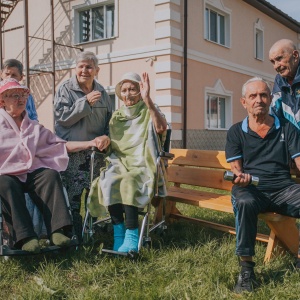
point(95, 22)
point(217, 24)
point(218, 107)
point(258, 40)
point(216, 113)
point(215, 27)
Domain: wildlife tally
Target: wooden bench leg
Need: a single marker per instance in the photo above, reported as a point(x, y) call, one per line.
point(284, 233)
point(170, 208)
point(274, 248)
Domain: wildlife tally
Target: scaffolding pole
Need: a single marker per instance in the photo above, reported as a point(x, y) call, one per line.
point(53, 48)
point(1, 56)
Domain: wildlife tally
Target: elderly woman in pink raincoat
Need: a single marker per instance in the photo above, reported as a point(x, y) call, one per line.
point(31, 158)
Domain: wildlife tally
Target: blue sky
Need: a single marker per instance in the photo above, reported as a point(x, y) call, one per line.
point(290, 7)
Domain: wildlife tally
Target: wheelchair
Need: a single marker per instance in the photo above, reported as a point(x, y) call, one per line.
point(146, 227)
point(6, 242)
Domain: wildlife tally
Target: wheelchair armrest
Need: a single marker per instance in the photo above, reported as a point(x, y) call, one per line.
point(166, 155)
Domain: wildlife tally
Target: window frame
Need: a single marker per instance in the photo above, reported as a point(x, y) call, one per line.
point(221, 11)
point(220, 92)
point(78, 9)
point(209, 113)
point(258, 48)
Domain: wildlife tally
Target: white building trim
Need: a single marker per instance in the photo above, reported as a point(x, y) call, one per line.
point(166, 14)
point(167, 32)
point(217, 4)
point(167, 66)
point(167, 83)
point(168, 49)
point(168, 100)
point(157, 2)
point(219, 89)
point(173, 117)
point(228, 65)
point(176, 135)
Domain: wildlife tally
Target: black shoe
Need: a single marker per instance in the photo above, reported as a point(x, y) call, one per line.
point(297, 264)
point(246, 282)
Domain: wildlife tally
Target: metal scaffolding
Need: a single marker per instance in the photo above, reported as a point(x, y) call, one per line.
point(6, 8)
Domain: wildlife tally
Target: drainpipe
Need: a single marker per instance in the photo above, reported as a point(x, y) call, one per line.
point(26, 40)
point(53, 57)
point(184, 129)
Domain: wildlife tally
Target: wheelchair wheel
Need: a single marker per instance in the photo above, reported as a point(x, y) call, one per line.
point(147, 244)
point(77, 225)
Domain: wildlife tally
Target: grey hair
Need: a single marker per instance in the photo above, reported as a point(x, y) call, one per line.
point(87, 55)
point(252, 80)
point(13, 63)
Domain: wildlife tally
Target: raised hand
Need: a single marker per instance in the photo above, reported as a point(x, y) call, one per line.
point(145, 87)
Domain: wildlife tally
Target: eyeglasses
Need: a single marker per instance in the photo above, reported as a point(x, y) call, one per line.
point(15, 96)
point(131, 92)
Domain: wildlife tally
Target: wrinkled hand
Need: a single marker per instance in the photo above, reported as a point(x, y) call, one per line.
point(242, 179)
point(93, 97)
point(102, 142)
point(145, 87)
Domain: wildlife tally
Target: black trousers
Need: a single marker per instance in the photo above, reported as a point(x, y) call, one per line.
point(248, 202)
point(131, 215)
point(45, 189)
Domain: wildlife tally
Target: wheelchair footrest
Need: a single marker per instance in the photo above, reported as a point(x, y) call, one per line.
point(6, 251)
point(130, 254)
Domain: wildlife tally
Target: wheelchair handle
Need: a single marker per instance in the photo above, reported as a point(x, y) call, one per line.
point(95, 149)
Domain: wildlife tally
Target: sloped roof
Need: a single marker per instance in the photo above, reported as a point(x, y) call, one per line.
point(275, 13)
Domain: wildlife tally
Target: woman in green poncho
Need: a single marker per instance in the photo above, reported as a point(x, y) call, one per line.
point(127, 183)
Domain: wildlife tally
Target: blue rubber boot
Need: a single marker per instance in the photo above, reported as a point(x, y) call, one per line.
point(119, 235)
point(131, 241)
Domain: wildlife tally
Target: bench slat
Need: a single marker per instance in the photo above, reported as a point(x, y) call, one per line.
point(200, 158)
point(211, 178)
point(201, 199)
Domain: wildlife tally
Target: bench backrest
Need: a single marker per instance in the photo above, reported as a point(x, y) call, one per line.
point(203, 168)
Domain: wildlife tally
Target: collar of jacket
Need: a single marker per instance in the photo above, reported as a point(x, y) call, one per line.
point(282, 82)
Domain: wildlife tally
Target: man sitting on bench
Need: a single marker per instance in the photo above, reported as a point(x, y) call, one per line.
point(263, 146)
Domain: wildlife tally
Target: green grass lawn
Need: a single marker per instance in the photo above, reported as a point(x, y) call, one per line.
point(189, 262)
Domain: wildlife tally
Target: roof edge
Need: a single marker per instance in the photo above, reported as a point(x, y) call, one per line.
point(275, 13)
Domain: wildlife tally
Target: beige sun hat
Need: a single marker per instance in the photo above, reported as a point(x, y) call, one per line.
point(131, 76)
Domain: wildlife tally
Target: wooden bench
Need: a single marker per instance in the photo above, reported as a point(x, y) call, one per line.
point(205, 168)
